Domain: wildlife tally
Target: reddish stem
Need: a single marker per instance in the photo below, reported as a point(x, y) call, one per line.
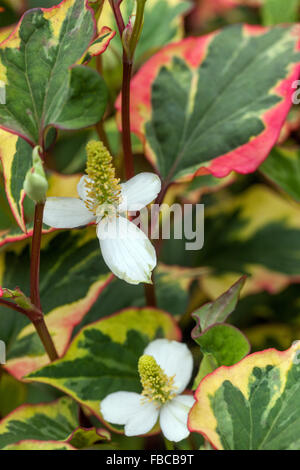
point(150, 295)
point(39, 323)
point(126, 133)
point(118, 15)
point(46, 338)
point(35, 256)
point(31, 314)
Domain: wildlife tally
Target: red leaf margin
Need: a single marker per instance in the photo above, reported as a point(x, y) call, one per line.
point(245, 159)
point(282, 355)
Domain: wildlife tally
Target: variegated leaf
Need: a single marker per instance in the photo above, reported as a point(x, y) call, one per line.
point(196, 108)
point(56, 421)
point(253, 405)
point(73, 275)
point(39, 445)
point(254, 225)
point(103, 357)
point(37, 66)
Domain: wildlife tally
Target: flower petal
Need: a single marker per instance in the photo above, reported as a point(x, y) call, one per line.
point(128, 408)
point(81, 187)
point(126, 250)
point(174, 358)
point(139, 191)
point(66, 212)
point(174, 417)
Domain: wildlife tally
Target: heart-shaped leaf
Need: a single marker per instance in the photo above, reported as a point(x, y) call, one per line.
point(253, 405)
point(69, 259)
point(56, 421)
point(103, 358)
point(43, 85)
point(216, 102)
point(225, 343)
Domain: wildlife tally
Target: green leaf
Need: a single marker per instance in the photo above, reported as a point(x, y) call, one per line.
point(253, 405)
point(171, 291)
point(39, 445)
point(278, 11)
point(12, 394)
point(103, 357)
point(225, 343)
point(86, 100)
point(207, 366)
point(220, 344)
point(83, 437)
point(16, 159)
point(50, 422)
point(56, 421)
point(253, 226)
point(218, 310)
point(283, 168)
point(216, 102)
point(69, 259)
point(35, 64)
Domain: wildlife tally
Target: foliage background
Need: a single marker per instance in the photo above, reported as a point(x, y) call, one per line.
point(252, 228)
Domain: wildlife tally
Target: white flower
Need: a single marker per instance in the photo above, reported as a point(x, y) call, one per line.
point(165, 370)
point(126, 250)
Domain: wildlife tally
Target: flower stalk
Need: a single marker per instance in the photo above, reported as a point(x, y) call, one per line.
point(130, 36)
point(39, 323)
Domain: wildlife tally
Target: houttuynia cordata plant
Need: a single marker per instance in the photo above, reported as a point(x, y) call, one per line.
point(150, 225)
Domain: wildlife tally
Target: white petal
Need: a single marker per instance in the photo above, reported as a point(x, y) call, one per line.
point(82, 189)
point(66, 212)
point(139, 191)
point(174, 358)
point(174, 417)
point(129, 409)
point(126, 250)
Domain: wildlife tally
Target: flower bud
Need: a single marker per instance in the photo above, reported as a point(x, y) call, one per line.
point(36, 184)
point(133, 29)
point(127, 34)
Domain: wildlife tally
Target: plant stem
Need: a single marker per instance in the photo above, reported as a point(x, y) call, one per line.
point(127, 72)
point(39, 323)
point(35, 256)
point(46, 338)
point(33, 314)
point(126, 133)
point(150, 295)
point(118, 15)
point(100, 125)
